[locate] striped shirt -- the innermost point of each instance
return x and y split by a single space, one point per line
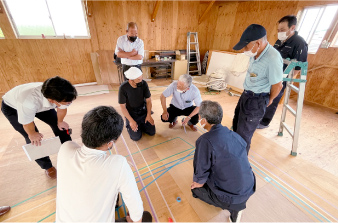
264 71
127 46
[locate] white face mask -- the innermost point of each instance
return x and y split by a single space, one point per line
282 36
62 106
202 125
180 91
249 53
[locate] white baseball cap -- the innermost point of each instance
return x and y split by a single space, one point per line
133 73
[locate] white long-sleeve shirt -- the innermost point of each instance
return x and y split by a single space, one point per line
88 182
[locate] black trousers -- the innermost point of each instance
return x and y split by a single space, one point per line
49 117
271 110
205 194
249 112
174 112
126 67
139 117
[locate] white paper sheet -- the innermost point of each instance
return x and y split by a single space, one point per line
48 147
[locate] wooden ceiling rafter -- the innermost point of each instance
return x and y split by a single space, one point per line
157 5
206 11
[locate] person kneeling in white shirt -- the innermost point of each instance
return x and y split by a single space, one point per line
89 179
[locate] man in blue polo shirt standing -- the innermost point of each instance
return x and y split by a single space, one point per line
262 84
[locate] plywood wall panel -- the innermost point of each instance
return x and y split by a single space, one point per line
225 26
322 88
207 27
10 63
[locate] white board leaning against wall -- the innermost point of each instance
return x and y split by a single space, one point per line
236 66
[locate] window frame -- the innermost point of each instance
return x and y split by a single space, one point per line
16 32
334 43
329 31
333 38
3 34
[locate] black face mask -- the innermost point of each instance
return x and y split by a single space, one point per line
132 38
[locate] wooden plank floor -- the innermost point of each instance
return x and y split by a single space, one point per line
289 188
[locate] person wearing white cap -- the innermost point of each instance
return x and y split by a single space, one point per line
135 102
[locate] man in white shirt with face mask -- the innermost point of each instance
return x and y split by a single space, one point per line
184 94
130 48
262 83
23 103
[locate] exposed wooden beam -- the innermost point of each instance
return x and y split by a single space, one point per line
5 24
323 66
1 8
157 5
206 11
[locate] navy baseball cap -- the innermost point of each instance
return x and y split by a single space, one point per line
252 33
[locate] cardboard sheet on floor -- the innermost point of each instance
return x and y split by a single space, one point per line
48 147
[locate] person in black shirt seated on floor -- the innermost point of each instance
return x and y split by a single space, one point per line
222 173
135 102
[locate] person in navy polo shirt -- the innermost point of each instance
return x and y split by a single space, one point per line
222 173
289 45
262 83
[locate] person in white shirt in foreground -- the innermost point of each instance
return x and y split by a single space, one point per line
89 178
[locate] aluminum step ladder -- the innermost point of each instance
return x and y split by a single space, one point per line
197 52
288 77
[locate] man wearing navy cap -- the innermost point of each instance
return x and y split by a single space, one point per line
262 84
